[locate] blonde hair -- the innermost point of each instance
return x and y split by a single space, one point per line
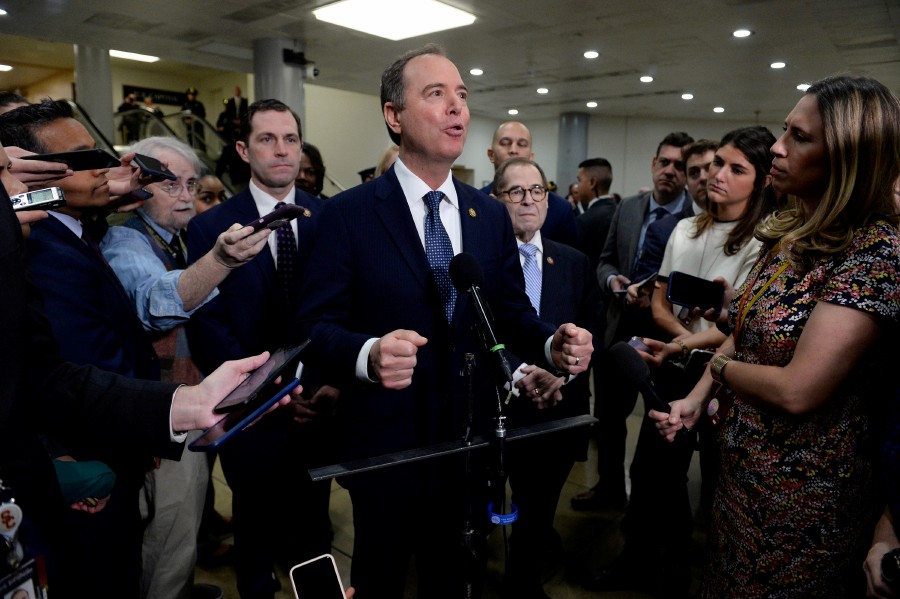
861 121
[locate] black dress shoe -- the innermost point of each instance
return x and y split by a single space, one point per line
596 499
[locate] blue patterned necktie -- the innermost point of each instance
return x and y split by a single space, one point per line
286 271
439 251
532 275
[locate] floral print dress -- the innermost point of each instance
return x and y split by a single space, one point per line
796 501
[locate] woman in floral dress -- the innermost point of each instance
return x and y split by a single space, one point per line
809 359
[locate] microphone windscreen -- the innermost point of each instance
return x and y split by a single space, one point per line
465 272
630 362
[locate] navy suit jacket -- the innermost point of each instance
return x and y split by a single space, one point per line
247 317
368 275
559 225
569 293
43 394
655 242
94 323
593 227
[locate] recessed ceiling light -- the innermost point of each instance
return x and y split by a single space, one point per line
742 33
803 87
718 110
687 96
5 67
646 79
543 90
133 56
513 111
3 12
476 72
591 105
777 65
591 54
394 19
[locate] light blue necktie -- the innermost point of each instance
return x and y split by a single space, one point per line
439 251
532 275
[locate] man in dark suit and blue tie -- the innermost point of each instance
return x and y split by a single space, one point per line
561 285
386 328
254 309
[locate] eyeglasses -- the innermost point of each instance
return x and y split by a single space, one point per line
173 188
517 194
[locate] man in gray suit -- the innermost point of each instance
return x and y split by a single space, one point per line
628 314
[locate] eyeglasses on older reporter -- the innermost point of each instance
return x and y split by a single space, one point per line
173 188
517 194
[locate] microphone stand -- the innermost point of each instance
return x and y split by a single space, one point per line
470 551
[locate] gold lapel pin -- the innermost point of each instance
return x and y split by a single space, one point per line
549 260
472 212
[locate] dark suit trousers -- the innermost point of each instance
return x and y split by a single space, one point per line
403 513
537 472
281 516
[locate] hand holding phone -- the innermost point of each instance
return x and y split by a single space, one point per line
278 217
153 167
693 292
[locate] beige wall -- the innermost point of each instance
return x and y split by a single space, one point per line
349 130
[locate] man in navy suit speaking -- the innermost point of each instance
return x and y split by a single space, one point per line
388 328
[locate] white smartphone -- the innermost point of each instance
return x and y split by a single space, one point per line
317 578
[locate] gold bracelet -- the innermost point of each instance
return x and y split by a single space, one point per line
717 368
685 352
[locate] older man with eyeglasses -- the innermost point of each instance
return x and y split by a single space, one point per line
149 255
561 285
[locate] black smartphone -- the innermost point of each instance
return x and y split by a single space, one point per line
152 166
218 434
80 160
693 292
278 217
256 386
317 578
39 199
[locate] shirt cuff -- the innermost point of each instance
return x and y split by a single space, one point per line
362 362
518 375
173 436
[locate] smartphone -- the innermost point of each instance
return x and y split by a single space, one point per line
693 292
152 166
278 217
696 364
256 385
218 434
317 578
39 199
638 343
80 160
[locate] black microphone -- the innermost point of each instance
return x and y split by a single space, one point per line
637 372
467 277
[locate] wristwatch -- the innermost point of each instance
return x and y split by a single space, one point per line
717 368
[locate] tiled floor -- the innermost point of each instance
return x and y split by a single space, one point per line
591 538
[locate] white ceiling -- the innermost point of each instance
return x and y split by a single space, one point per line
521 45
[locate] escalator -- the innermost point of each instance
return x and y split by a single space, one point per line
139 123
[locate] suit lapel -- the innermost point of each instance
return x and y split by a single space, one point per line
392 210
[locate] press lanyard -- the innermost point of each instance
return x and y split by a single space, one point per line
747 302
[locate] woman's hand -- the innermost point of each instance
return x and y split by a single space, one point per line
685 413
659 352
